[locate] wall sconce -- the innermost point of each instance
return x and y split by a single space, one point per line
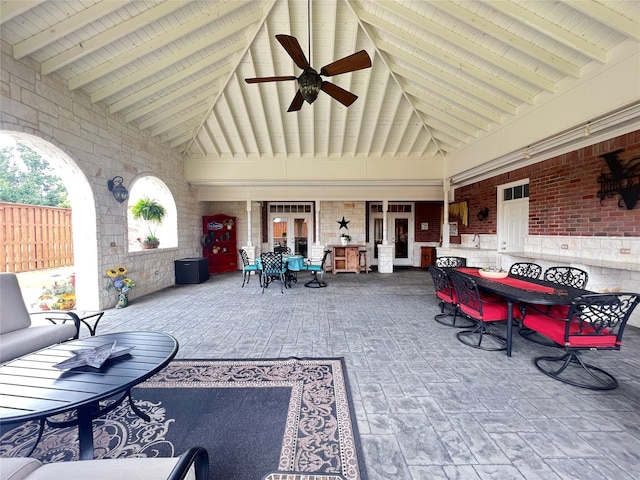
119 191
526 154
586 132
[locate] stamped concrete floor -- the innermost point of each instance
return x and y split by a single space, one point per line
428 407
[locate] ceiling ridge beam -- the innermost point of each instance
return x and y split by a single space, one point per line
108 36
177 120
152 45
178 56
451 95
448 78
461 113
446 118
265 14
508 38
175 109
359 13
166 82
55 32
471 47
470 69
555 32
608 17
14 8
165 99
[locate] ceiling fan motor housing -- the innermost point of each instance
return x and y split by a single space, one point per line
310 83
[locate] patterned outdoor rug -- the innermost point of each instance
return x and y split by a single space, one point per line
255 417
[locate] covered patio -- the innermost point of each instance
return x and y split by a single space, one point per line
427 405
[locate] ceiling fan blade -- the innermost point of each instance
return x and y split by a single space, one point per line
356 61
297 102
294 50
269 79
340 94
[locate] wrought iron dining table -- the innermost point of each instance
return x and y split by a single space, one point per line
32 388
524 291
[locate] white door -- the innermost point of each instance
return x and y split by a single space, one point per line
291 231
513 222
399 234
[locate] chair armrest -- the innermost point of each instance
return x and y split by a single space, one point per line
196 456
72 316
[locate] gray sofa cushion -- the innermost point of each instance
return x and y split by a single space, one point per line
18 468
112 469
27 340
13 312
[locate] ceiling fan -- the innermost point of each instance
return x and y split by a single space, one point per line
310 81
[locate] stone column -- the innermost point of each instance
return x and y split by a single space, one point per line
249 248
445 226
385 251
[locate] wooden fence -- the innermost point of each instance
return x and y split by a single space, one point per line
34 237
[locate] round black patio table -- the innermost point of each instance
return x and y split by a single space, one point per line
31 388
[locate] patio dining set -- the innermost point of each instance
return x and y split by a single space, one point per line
551 308
283 266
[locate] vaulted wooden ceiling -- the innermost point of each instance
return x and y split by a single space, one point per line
444 73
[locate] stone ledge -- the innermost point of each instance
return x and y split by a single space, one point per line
594 262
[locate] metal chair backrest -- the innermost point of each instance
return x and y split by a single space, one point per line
245 257
282 249
271 263
525 269
467 294
598 320
451 262
441 283
567 276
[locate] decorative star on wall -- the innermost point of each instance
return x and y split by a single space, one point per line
343 223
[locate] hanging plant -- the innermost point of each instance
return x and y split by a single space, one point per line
151 212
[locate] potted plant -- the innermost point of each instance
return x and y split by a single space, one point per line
151 212
345 238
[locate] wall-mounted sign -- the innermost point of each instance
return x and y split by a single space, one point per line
453 229
424 225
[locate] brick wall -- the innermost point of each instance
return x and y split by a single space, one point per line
562 194
428 212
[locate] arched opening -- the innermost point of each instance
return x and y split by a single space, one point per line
83 215
167 232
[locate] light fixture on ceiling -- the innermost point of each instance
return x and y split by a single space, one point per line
119 191
526 153
310 83
586 132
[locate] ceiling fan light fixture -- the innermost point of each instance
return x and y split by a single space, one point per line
309 82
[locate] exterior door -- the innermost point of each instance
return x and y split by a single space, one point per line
399 234
291 231
513 224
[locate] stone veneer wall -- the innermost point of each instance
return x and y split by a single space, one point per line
98 146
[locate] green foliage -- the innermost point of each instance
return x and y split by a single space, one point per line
29 181
150 211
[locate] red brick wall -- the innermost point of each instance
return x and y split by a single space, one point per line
428 212
562 194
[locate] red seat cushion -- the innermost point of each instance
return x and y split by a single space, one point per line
491 311
554 329
442 295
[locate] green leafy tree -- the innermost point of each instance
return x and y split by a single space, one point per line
30 181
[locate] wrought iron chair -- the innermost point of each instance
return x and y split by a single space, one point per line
282 249
272 269
316 282
248 267
485 310
525 269
451 262
594 322
567 276
449 313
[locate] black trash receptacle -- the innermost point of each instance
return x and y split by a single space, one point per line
191 270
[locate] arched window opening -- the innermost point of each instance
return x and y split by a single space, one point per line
167 232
